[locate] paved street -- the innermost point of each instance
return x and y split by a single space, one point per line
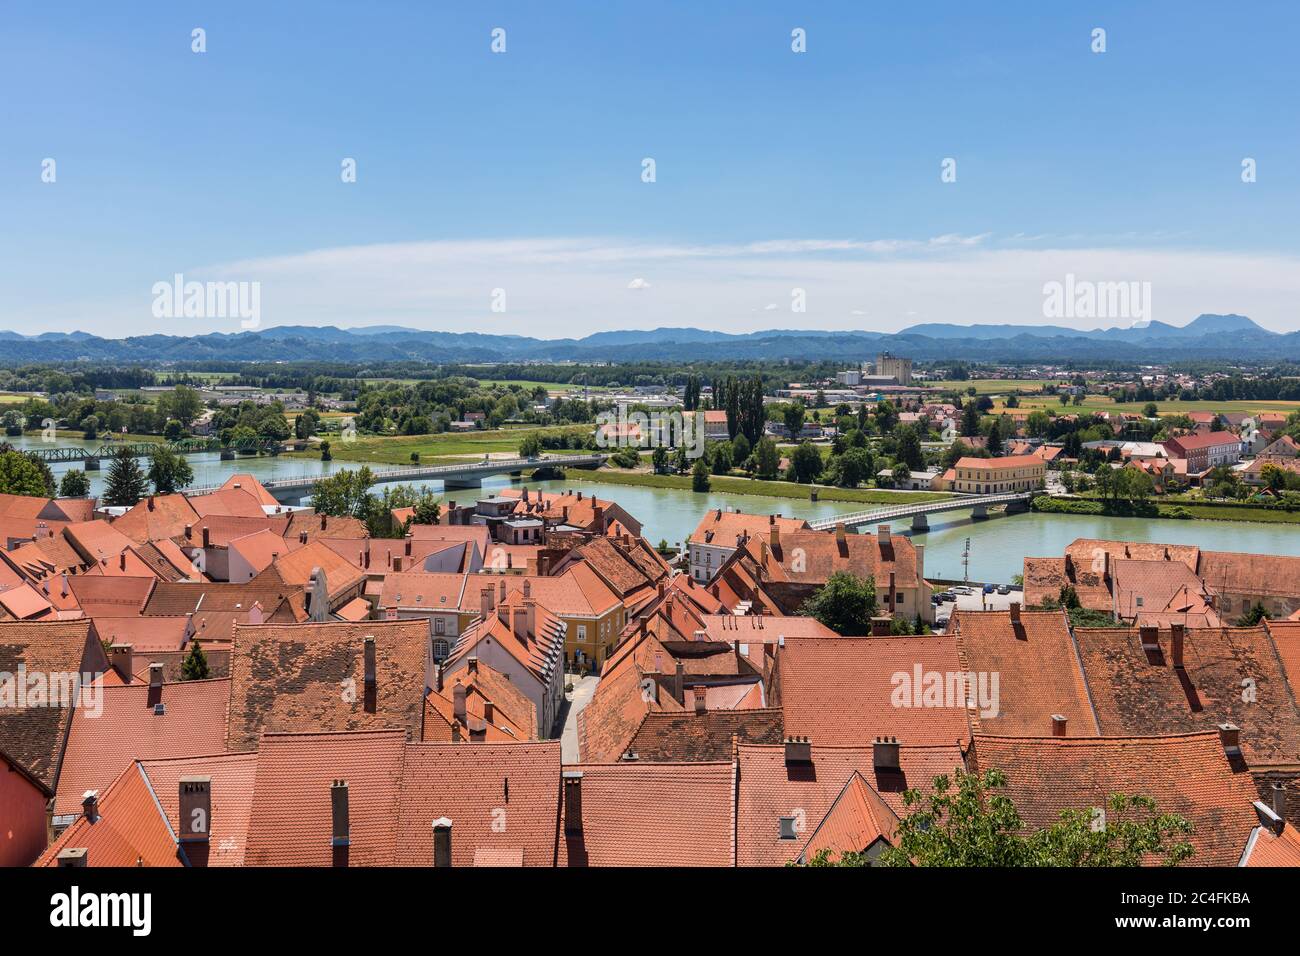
583 688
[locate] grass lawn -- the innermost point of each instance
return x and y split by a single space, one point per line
432 449
754 486
989 386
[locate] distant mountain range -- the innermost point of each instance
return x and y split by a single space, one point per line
1207 337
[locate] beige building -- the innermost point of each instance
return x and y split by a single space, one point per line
991 476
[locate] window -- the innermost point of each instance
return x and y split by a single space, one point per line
440 650
582 633
439 625
787 830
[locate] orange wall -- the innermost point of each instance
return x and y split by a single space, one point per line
22 818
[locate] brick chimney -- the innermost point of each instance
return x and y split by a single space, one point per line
206 537
1149 636
572 801
884 754
1230 737
1014 608
195 809
441 842
371 687
1176 636
519 624
489 712
458 702
121 656
841 538
679 693
407 545
774 536
1279 800
798 750
340 834
1058 725
487 601
884 536
701 701
73 856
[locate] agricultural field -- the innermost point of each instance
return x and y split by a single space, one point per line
1101 403
993 386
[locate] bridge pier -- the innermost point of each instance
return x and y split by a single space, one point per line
451 484
227 454
979 511
92 464
920 523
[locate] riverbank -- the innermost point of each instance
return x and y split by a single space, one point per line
446 448
1175 510
755 486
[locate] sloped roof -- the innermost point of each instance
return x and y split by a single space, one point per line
126 727
651 814
1186 774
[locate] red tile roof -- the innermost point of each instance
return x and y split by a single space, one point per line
311 677
651 814
847 691
1186 774
130 829
126 728
1039 674
858 820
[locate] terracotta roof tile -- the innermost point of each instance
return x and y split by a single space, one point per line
1185 774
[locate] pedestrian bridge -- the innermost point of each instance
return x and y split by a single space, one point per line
978 505
469 475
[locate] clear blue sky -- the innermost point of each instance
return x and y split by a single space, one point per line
170 161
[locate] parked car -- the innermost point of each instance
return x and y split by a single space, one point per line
989 588
1004 589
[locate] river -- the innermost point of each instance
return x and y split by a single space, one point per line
998 545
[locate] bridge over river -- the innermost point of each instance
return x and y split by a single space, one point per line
978 505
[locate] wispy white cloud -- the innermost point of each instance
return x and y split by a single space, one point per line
557 287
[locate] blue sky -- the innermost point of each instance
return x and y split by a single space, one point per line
521 171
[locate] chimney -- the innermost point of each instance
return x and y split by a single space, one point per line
471 664
841 537
1230 737
195 809
366 557
206 537
302 537
151 502
572 801
884 754
90 805
397 564
701 703
121 560
323 520
1058 725
489 712
156 675
679 694
437 678
371 686
487 601
893 594
64 577
881 625
1014 607
530 618
441 842
884 535
528 589
501 591
1279 801
120 656
798 750
339 814
409 538
319 599
73 856
1149 636
458 702
774 536
1176 635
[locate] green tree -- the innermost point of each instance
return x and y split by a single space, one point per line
767 459
195 665
855 467
182 403
169 471
74 484
126 482
19 475
794 418
1253 616
659 458
968 822
845 603
700 476
806 463
344 494
530 446
909 448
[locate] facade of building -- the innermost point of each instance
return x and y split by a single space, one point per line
990 476
899 369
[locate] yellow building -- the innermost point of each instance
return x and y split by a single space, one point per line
991 476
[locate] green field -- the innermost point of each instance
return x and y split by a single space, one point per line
754 486
993 386
434 449
1101 403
